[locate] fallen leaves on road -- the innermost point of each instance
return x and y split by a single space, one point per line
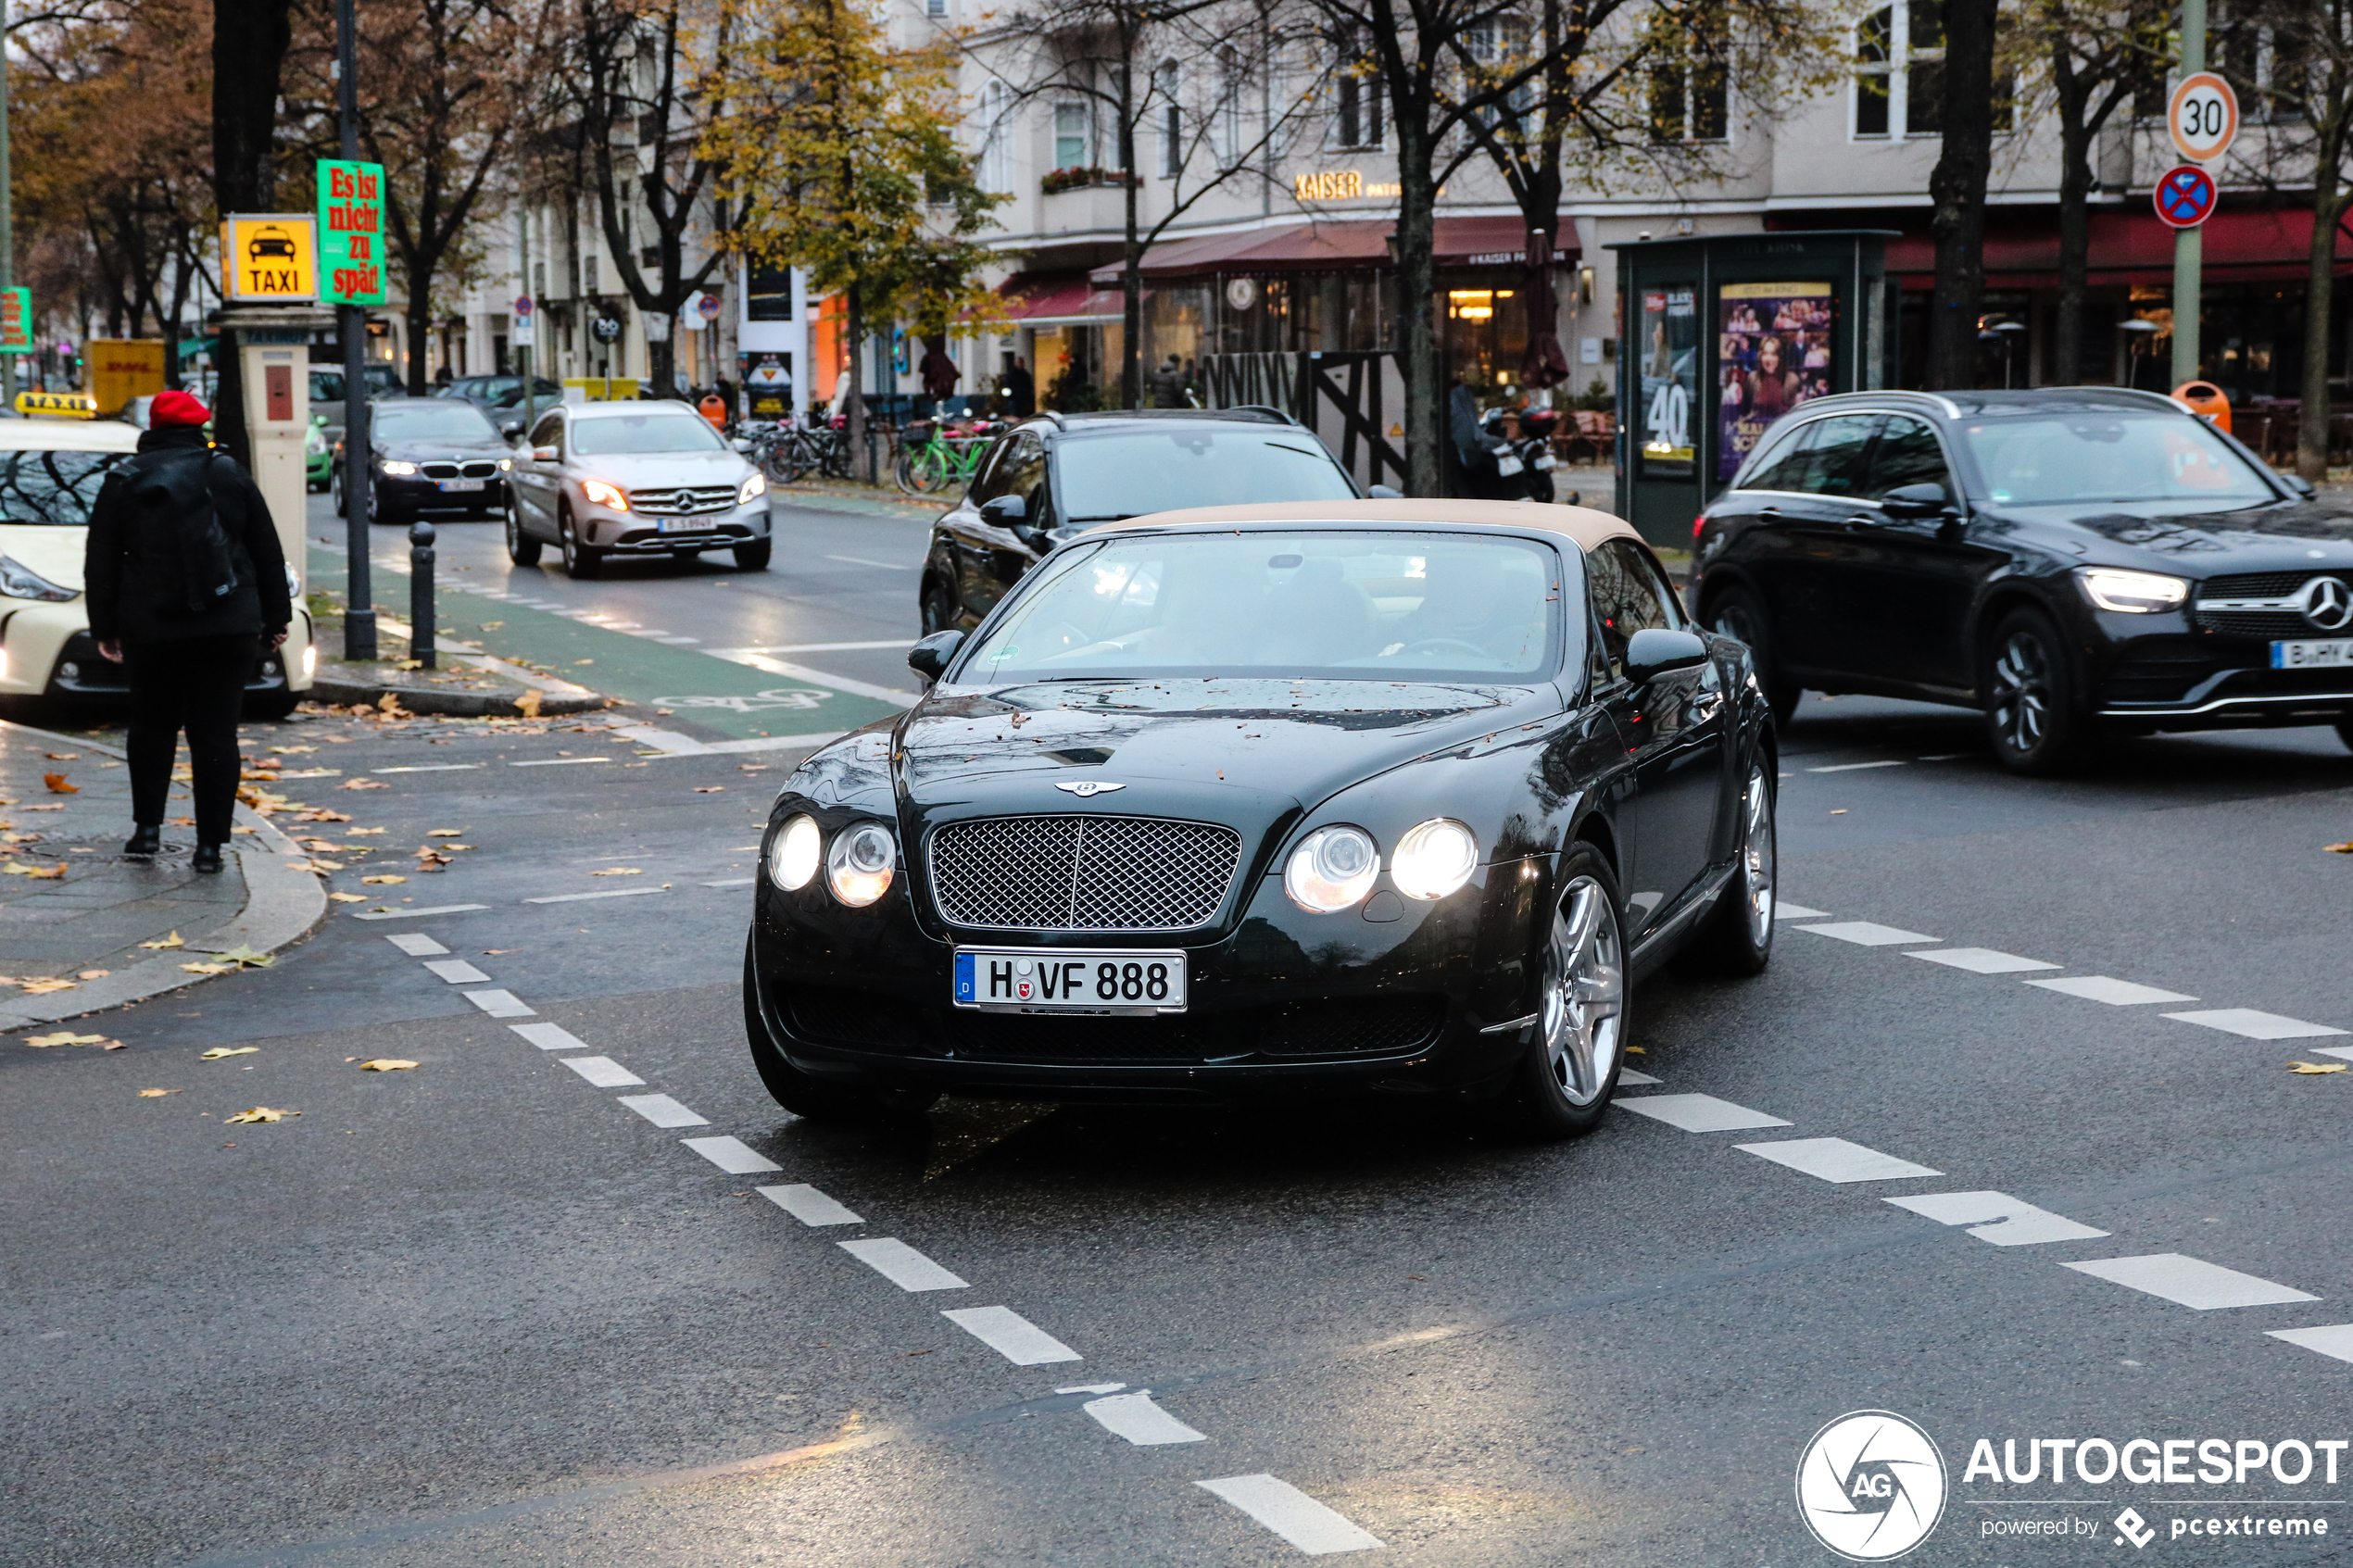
219 1052
346 897
174 940
93 974
317 865
58 786
251 958
46 874
528 704
711 789
620 870
64 755
2316 1067
389 705
444 832
751 767
46 986
361 784
2345 848
360 832
158 1093
408 664
316 845
321 814
381 881
59 807
385 1064
492 625
259 1113
428 859
584 661
64 1037
292 751
208 968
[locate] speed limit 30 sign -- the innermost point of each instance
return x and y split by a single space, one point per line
2203 116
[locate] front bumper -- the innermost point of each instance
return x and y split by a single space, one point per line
652 534
49 652
416 493
2178 676
1282 1005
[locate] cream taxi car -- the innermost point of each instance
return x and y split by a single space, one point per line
50 470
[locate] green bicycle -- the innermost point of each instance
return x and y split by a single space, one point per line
932 461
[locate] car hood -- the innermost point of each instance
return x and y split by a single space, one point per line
455 446
639 469
2285 536
50 550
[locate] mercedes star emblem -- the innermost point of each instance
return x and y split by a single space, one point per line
2327 603
1089 787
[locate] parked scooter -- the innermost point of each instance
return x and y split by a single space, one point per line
1522 447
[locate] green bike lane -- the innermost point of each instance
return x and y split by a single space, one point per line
734 694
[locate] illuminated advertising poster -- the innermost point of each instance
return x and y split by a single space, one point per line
1774 354
1670 379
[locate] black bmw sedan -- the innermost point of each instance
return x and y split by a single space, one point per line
431 455
2071 560
1396 796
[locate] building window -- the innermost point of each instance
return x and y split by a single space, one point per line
1689 84
1899 71
1072 136
1226 123
935 7
1170 113
997 137
1357 101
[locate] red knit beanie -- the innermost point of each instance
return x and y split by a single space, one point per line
176 408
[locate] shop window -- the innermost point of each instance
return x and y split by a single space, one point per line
1074 136
1689 96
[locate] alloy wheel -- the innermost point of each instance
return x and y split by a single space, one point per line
1584 993
1757 855
2022 693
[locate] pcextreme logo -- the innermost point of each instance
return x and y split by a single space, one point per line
1871 1486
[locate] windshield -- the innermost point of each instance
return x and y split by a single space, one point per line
643 433
1162 468
53 487
1374 605
432 420
326 386
2150 461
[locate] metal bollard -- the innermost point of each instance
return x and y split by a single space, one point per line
421 594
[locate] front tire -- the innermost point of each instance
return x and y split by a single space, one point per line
755 556
581 561
1565 1082
1738 615
1738 936
938 608
521 548
2032 689
806 1096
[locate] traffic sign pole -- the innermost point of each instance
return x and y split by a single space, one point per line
360 596
2189 245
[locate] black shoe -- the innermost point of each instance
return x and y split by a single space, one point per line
206 859
144 841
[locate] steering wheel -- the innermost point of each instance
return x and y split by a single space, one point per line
1443 645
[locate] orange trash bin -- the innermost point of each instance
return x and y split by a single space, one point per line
2205 400
715 410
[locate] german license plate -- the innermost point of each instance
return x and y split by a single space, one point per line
686 525
2328 653
459 486
1070 979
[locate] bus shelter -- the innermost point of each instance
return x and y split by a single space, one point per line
1723 334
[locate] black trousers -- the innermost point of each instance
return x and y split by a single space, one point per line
198 685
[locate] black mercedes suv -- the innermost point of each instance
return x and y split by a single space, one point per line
2070 560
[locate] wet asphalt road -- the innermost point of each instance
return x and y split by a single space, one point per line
481 1312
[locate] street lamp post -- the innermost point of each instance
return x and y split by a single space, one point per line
360 610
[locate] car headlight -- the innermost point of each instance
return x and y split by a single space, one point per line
19 581
393 465
754 488
1434 858
2134 593
859 868
1332 869
505 463
604 495
793 853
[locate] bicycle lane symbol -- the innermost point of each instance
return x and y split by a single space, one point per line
779 697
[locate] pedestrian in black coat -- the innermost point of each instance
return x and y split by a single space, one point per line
185 584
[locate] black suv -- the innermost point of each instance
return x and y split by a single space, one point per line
2071 560
1050 476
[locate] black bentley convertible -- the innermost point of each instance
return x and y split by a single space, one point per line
1396 796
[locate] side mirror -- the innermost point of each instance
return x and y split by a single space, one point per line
544 454
930 657
741 444
2298 484
1384 493
1005 510
1907 502
510 428
1654 650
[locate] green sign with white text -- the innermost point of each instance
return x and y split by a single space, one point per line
351 220
16 321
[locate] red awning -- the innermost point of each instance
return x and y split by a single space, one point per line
2129 246
1047 300
1341 245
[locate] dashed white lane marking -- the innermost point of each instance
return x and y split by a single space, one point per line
578 897
411 914
431 768
1867 934
808 1205
663 1111
827 648
1293 1515
733 882
457 972
2254 1025
733 1156
1627 1075
1855 767
550 1036
861 561
1136 1418
1010 1335
1997 1217
902 1264
1835 1159
556 762
1784 909
501 1003
2329 1339
2115 993
416 943
1981 961
2190 1281
1698 1113
2333 1050
603 1072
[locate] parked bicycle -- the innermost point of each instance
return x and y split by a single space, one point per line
936 457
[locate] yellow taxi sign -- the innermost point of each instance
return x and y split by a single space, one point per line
58 405
269 258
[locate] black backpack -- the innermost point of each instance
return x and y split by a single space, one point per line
186 557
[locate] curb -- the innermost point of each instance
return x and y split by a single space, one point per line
557 698
285 903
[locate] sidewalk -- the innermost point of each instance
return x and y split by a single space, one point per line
75 913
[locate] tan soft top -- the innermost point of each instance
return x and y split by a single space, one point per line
1583 524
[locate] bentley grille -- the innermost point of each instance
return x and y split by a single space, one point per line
1082 873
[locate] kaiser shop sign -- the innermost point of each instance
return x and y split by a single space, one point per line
351 216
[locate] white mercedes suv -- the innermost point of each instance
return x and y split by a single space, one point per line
599 479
